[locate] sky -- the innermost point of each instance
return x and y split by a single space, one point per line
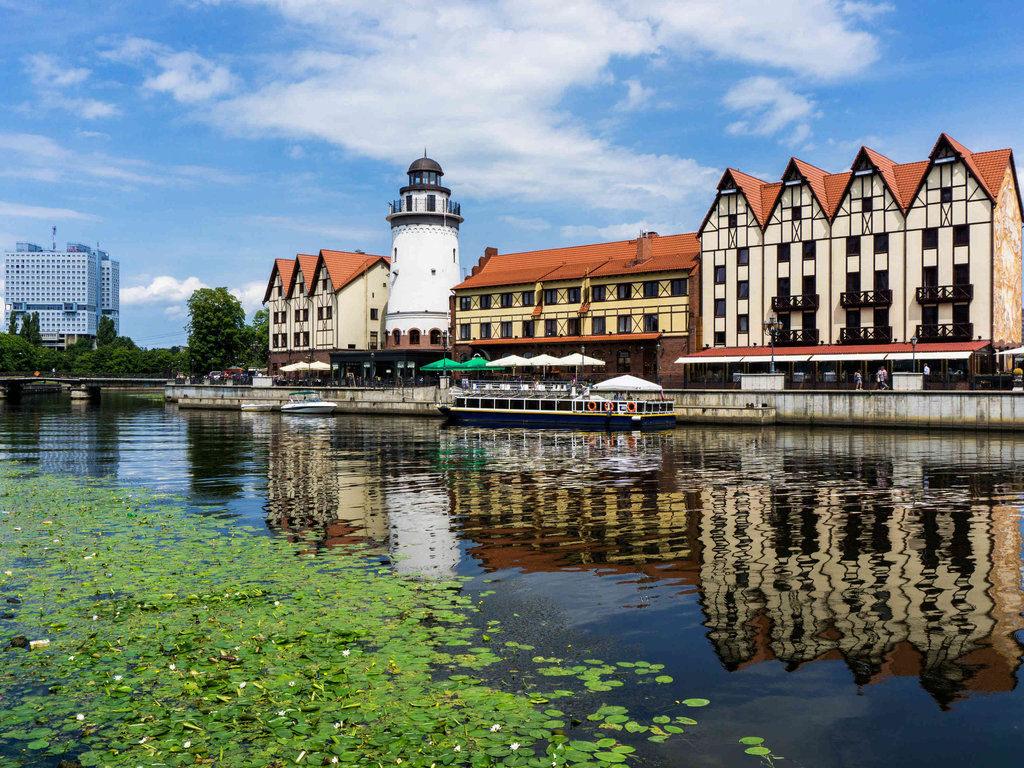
198 140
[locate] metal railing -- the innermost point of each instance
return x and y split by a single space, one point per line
945 332
802 336
422 205
801 302
935 294
868 334
878 297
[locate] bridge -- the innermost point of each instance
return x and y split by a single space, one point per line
13 385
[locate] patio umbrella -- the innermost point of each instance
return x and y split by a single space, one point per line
544 360
514 361
444 364
319 366
578 359
477 364
293 367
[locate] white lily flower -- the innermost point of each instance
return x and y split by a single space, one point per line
346 652
458 747
187 744
171 667
514 746
495 728
118 678
79 717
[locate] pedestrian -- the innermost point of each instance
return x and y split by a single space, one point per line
858 380
880 378
927 372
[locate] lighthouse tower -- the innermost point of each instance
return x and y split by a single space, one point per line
424 260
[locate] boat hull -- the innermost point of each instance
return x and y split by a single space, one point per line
308 409
257 407
595 421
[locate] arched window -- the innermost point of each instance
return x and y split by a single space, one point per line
414 336
435 337
397 336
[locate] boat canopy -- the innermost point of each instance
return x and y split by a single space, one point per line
626 383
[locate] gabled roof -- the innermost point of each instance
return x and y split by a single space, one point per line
652 253
284 268
345 266
307 264
908 179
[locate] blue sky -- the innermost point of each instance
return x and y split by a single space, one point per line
197 140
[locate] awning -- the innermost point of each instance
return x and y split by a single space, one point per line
957 355
778 359
1014 351
848 357
709 360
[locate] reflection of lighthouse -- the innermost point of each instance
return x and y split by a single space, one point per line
424 259
422 542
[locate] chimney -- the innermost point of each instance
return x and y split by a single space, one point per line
488 252
643 248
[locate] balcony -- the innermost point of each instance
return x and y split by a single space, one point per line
440 205
802 336
868 334
945 332
875 298
803 302
937 294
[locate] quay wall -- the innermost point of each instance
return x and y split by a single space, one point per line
969 410
413 401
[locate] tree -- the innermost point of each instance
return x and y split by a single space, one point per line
12 324
256 341
105 331
215 329
29 330
16 354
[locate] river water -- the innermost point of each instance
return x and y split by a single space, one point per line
853 597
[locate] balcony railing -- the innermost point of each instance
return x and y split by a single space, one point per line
868 334
422 205
936 294
801 302
802 336
881 297
946 332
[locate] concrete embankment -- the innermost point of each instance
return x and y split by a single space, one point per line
918 410
413 401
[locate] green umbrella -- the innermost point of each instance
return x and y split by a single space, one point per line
444 364
477 364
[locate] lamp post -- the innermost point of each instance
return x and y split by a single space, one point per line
657 362
770 326
913 353
583 354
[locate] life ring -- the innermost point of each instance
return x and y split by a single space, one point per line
591 405
631 406
609 405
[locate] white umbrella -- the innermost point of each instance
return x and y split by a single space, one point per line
514 361
319 366
579 359
292 368
544 360
626 383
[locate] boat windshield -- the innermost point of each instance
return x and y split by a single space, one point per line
300 397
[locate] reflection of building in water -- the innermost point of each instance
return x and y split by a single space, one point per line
855 561
314 492
82 444
544 501
422 540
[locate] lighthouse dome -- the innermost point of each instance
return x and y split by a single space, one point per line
426 164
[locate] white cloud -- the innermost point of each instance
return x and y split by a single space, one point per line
637 96
770 108
185 75
867 11
529 224
163 289
251 295
624 231
39 212
51 76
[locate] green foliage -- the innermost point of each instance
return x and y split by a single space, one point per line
105 332
172 641
16 354
12 324
29 329
255 351
215 329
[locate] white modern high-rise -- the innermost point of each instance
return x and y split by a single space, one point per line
70 289
424 259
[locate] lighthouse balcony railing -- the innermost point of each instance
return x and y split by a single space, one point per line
426 205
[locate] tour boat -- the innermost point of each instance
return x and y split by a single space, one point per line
307 402
625 402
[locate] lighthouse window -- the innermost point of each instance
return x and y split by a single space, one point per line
408 203
431 202
414 336
397 336
394 259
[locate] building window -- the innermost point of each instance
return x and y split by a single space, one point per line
506 299
414 337
782 286
650 323
485 301
732 220
431 202
719 275
743 257
809 249
797 212
930 238
743 289
465 302
930 315
946 195
719 338
742 323
961 313
373 339
866 204
623 362
597 325
651 289
808 321
465 331
961 235
550 296
853 318
882 243
783 252
396 337
624 291
597 293
677 287
930 276
572 295
961 274
881 279
550 327
373 313
506 329
852 282
624 324
527 329
527 298
435 337
719 307
572 326
298 315
485 331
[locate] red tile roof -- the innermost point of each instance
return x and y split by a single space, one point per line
908 180
835 349
653 254
342 266
541 340
345 266
283 267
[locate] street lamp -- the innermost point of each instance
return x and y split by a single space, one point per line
913 353
770 326
657 362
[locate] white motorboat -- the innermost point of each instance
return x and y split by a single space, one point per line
307 403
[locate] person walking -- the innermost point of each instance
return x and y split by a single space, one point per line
880 378
858 380
926 371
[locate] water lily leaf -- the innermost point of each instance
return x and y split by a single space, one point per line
758 751
696 702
